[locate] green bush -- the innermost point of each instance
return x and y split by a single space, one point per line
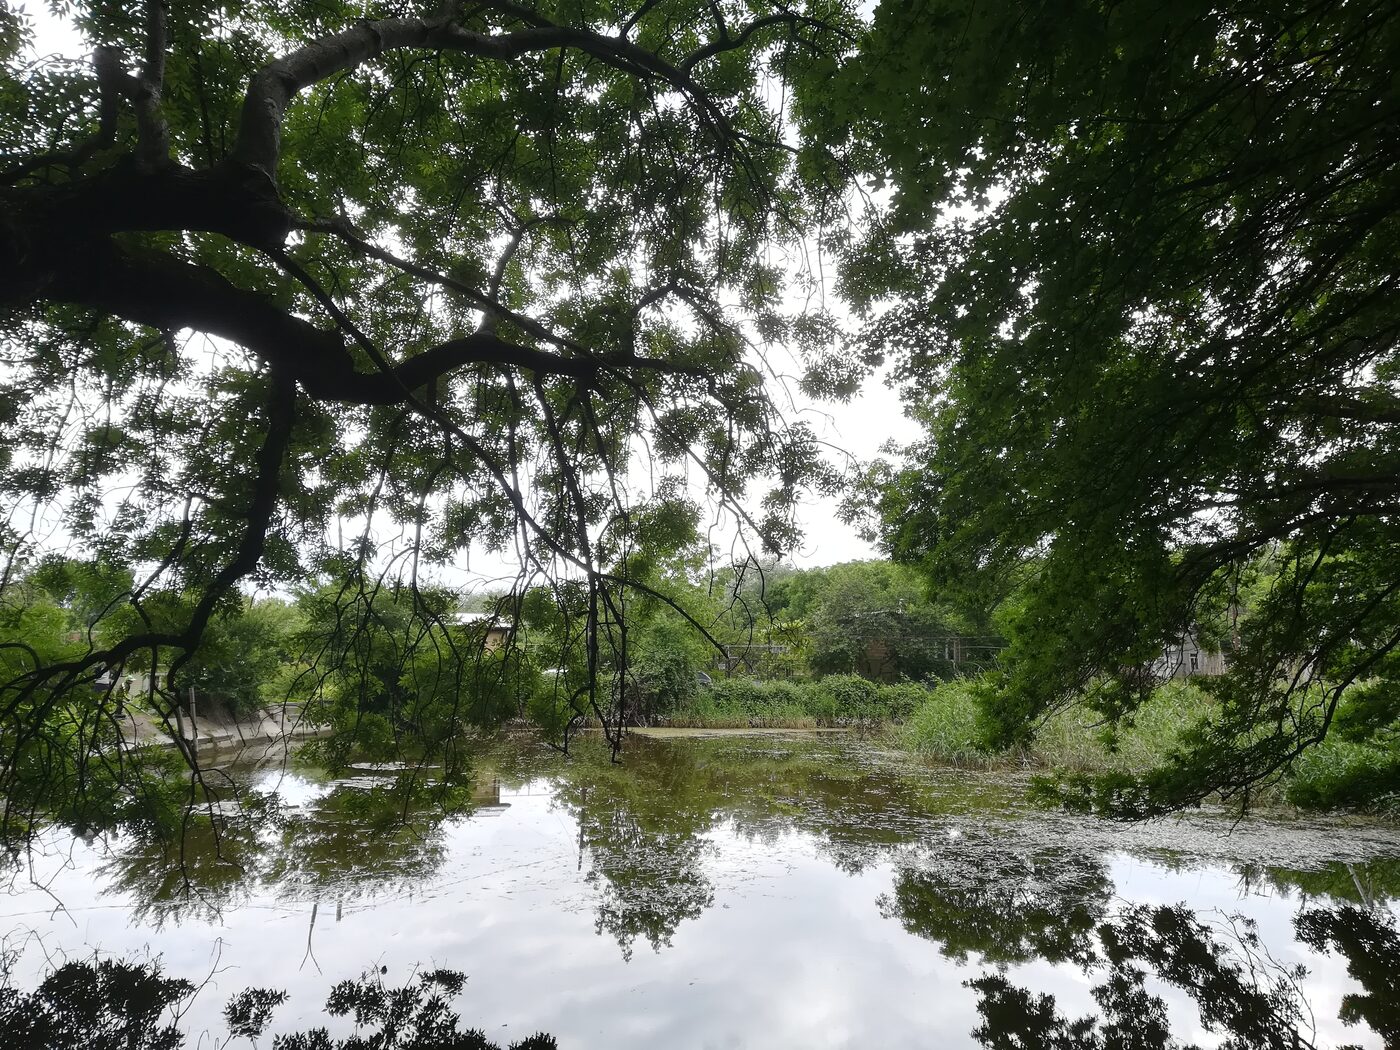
661 682
549 708
736 694
742 702
844 696
783 696
899 702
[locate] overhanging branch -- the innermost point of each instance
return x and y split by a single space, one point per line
272 89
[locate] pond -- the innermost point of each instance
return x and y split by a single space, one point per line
749 891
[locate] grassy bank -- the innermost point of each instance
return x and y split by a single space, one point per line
945 728
1338 774
835 701
938 723
941 724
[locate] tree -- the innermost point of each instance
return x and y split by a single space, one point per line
876 618
325 291
1148 316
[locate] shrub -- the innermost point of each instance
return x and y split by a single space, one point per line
737 694
784 696
662 681
844 696
899 702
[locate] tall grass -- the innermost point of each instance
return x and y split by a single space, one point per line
946 728
1341 774
945 725
1075 739
833 701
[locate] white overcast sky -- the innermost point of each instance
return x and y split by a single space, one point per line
859 427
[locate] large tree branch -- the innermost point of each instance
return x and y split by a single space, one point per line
1370 407
272 89
152 134
739 39
166 294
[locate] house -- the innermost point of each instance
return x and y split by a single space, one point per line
1188 658
493 630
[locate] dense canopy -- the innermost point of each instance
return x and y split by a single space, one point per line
1144 261
324 299
324 292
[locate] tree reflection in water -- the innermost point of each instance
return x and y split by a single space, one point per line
361 835
1004 906
1372 951
640 836
114 1004
994 895
1058 908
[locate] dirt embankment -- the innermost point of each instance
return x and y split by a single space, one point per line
215 725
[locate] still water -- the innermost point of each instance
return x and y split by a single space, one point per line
754 891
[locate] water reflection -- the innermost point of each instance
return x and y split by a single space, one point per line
1242 995
730 878
338 839
1252 1004
1371 947
1003 907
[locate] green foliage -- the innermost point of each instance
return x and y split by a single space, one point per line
661 680
1337 774
51 733
392 673
946 725
297 293
1133 276
1078 739
845 693
900 700
1358 766
876 619
243 654
743 701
